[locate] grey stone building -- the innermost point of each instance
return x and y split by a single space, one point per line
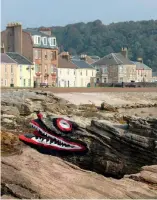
115 68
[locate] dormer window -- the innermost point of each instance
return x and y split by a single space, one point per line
37 39
52 41
45 40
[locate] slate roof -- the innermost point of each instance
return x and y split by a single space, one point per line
37 32
19 59
82 64
113 59
140 65
64 63
95 58
6 59
88 60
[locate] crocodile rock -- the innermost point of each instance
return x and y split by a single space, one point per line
103 147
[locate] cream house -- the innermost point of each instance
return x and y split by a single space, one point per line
16 71
143 72
73 72
84 73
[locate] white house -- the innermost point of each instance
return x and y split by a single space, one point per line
73 72
84 72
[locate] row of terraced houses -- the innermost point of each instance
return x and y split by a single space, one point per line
31 56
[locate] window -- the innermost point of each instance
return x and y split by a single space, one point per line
36 54
120 69
81 73
45 41
37 68
104 70
97 69
1 81
39 54
24 82
105 80
121 79
45 68
12 81
5 82
74 71
86 72
53 55
37 39
68 71
45 54
97 80
92 72
29 82
53 69
11 69
52 41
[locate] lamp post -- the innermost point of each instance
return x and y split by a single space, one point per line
38 75
30 68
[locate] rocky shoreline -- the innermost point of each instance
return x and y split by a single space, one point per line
118 144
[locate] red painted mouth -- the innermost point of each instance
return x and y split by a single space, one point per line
44 138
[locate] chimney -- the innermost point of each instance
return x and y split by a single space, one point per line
83 57
46 31
124 52
15 37
2 48
65 55
140 60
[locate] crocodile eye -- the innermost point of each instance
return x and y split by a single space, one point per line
64 125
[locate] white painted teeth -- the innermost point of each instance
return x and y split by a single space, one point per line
53 143
33 138
44 141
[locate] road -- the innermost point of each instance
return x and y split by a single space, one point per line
89 90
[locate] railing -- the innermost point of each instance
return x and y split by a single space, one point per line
129 84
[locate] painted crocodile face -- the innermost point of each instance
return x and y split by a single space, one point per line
54 134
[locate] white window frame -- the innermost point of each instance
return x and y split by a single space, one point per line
44 39
52 41
121 68
36 37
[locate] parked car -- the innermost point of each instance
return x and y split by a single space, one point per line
44 85
131 84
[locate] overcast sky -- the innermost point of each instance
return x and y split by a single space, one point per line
35 13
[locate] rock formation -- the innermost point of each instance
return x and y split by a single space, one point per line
114 149
23 174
